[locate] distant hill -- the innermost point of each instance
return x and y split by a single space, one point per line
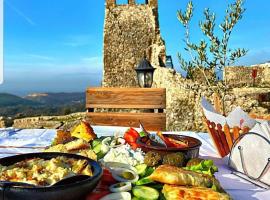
57 98
41 104
13 100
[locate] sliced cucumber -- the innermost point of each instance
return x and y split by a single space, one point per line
141 169
97 148
144 192
157 186
96 142
144 181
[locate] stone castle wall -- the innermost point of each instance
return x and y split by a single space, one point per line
184 110
130 30
241 76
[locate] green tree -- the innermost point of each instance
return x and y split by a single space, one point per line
211 54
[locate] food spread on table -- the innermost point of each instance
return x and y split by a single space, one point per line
130 170
43 172
133 173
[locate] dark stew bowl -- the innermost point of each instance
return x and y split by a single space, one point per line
192 151
71 191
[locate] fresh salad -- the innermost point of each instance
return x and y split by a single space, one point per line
131 174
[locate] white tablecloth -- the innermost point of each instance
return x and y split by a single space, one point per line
238 188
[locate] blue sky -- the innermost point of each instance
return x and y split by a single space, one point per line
56 45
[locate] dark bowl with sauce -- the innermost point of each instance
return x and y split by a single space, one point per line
192 151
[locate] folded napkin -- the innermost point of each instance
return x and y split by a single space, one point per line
250 158
237 117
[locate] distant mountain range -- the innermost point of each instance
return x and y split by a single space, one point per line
41 104
57 98
13 100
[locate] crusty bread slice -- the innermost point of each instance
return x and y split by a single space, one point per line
84 131
77 144
57 148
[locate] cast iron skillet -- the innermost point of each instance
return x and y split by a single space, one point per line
72 191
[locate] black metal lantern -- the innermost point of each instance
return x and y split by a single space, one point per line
145 72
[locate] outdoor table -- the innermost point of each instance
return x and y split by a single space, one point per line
238 188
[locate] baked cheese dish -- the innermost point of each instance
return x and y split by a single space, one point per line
43 172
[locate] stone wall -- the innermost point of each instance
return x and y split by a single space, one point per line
241 76
130 30
184 96
49 122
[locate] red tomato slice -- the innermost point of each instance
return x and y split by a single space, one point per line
97 195
131 135
134 145
107 178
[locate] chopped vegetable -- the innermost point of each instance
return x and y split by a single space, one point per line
128 175
142 134
125 175
134 145
97 147
97 195
118 196
131 135
157 186
144 181
205 167
144 192
120 187
107 177
194 161
141 169
149 171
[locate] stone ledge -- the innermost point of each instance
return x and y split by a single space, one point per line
49 122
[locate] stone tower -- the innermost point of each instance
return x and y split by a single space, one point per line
130 30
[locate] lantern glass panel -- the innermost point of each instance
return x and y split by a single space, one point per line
148 79
140 76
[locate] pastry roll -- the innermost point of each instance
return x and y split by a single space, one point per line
172 192
177 176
